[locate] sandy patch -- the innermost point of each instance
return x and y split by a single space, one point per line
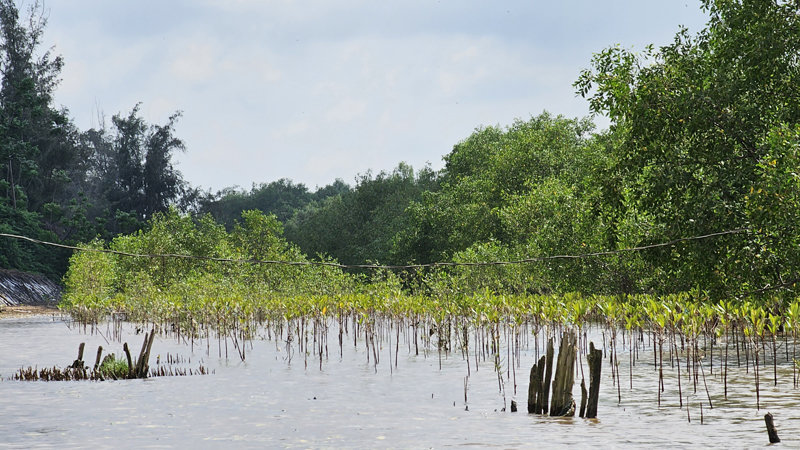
27 311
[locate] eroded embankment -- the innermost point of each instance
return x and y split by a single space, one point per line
21 288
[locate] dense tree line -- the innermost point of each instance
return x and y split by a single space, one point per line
281 198
704 138
361 225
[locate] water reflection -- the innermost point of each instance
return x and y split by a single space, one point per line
267 401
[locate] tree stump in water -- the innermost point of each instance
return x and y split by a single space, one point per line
583 399
128 357
535 386
543 401
562 403
97 359
595 360
143 362
771 431
78 363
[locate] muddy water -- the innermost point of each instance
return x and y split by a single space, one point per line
269 401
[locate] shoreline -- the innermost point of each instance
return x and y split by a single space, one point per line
21 311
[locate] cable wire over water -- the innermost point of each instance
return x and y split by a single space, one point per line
381 266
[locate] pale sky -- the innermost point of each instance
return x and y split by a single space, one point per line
318 90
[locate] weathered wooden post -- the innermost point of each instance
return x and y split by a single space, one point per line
78 363
562 403
771 431
583 398
140 360
595 360
143 363
543 401
97 359
535 385
128 356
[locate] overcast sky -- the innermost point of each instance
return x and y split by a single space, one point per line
319 90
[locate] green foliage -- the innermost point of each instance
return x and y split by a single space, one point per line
26 256
468 280
281 198
553 219
482 174
539 188
359 226
695 118
113 368
772 212
90 283
177 271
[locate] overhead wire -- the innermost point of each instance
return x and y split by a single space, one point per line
380 266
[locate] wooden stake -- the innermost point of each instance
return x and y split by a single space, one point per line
534 386
771 431
583 398
595 360
97 359
128 356
562 403
78 363
544 400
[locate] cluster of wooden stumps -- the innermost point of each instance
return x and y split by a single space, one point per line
561 403
78 370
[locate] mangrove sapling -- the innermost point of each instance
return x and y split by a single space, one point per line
616 366
678 364
376 358
630 323
465 347
720 331
689 369
391 370
341 335
397 343
702 371
774 327
755 371
688 414
792 323
786 341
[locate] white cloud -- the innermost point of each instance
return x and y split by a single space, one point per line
317 91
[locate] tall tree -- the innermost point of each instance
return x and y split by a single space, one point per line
695 118
129 151
36 145
36 141
162 182
481 174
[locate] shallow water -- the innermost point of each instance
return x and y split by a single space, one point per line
267 401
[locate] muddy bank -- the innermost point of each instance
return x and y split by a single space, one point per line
15 312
